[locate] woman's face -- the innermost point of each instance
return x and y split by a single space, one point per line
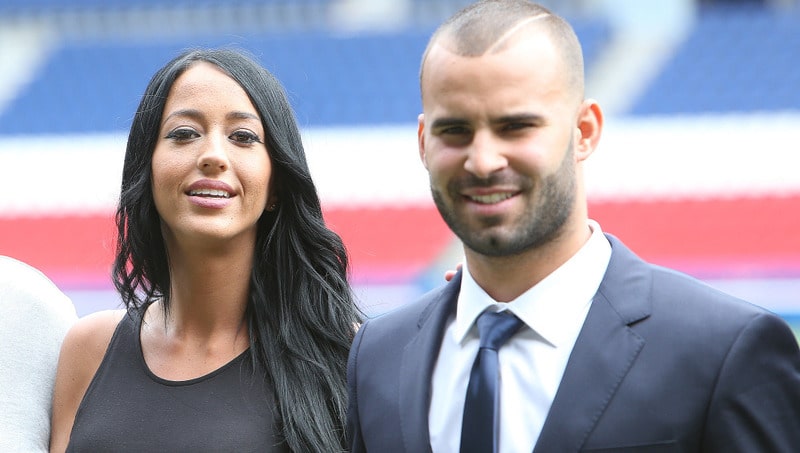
211 168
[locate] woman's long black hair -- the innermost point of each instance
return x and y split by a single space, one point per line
301 312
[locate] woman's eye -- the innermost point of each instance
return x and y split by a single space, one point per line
183 133
244 136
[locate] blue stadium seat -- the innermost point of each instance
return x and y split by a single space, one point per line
49 7
331 79
735 60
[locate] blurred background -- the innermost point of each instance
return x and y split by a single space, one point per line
697 168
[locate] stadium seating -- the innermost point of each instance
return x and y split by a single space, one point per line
331 79
734 60
50 7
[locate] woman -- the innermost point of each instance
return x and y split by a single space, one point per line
239 314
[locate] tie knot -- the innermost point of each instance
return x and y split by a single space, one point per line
495 328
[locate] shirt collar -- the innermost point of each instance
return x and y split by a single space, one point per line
552 305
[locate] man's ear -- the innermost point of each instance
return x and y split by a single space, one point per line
589 128
421 138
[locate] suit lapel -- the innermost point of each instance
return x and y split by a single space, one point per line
605 350
418 361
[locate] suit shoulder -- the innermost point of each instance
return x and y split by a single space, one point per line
678 287
406 319
667 300
410 312
696 310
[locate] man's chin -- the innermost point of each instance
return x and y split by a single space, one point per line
494 245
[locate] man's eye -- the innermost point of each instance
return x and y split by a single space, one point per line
183 133
244 137
516 126
454 130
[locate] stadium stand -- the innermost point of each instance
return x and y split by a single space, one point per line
51 7
332 80
736 59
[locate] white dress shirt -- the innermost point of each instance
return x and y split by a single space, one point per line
532 362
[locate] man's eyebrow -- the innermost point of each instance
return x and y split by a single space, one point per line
518 118
440 123
448 122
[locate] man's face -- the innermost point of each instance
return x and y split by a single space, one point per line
497 137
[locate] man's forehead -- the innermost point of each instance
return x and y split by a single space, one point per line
482 39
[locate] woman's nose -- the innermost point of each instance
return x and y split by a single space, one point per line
214 156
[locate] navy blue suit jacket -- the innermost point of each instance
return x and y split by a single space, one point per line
663 363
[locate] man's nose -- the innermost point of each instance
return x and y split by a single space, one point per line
485 155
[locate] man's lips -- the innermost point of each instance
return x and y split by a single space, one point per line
492 198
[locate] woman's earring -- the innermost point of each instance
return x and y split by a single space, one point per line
272 207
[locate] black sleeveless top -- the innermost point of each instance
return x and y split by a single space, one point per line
129 409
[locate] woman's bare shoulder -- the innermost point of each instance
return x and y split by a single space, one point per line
88 338
103 320
82 352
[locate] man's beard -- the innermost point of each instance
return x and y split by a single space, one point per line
537 226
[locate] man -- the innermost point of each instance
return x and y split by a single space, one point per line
613 354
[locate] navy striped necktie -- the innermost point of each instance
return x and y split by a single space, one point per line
479 427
